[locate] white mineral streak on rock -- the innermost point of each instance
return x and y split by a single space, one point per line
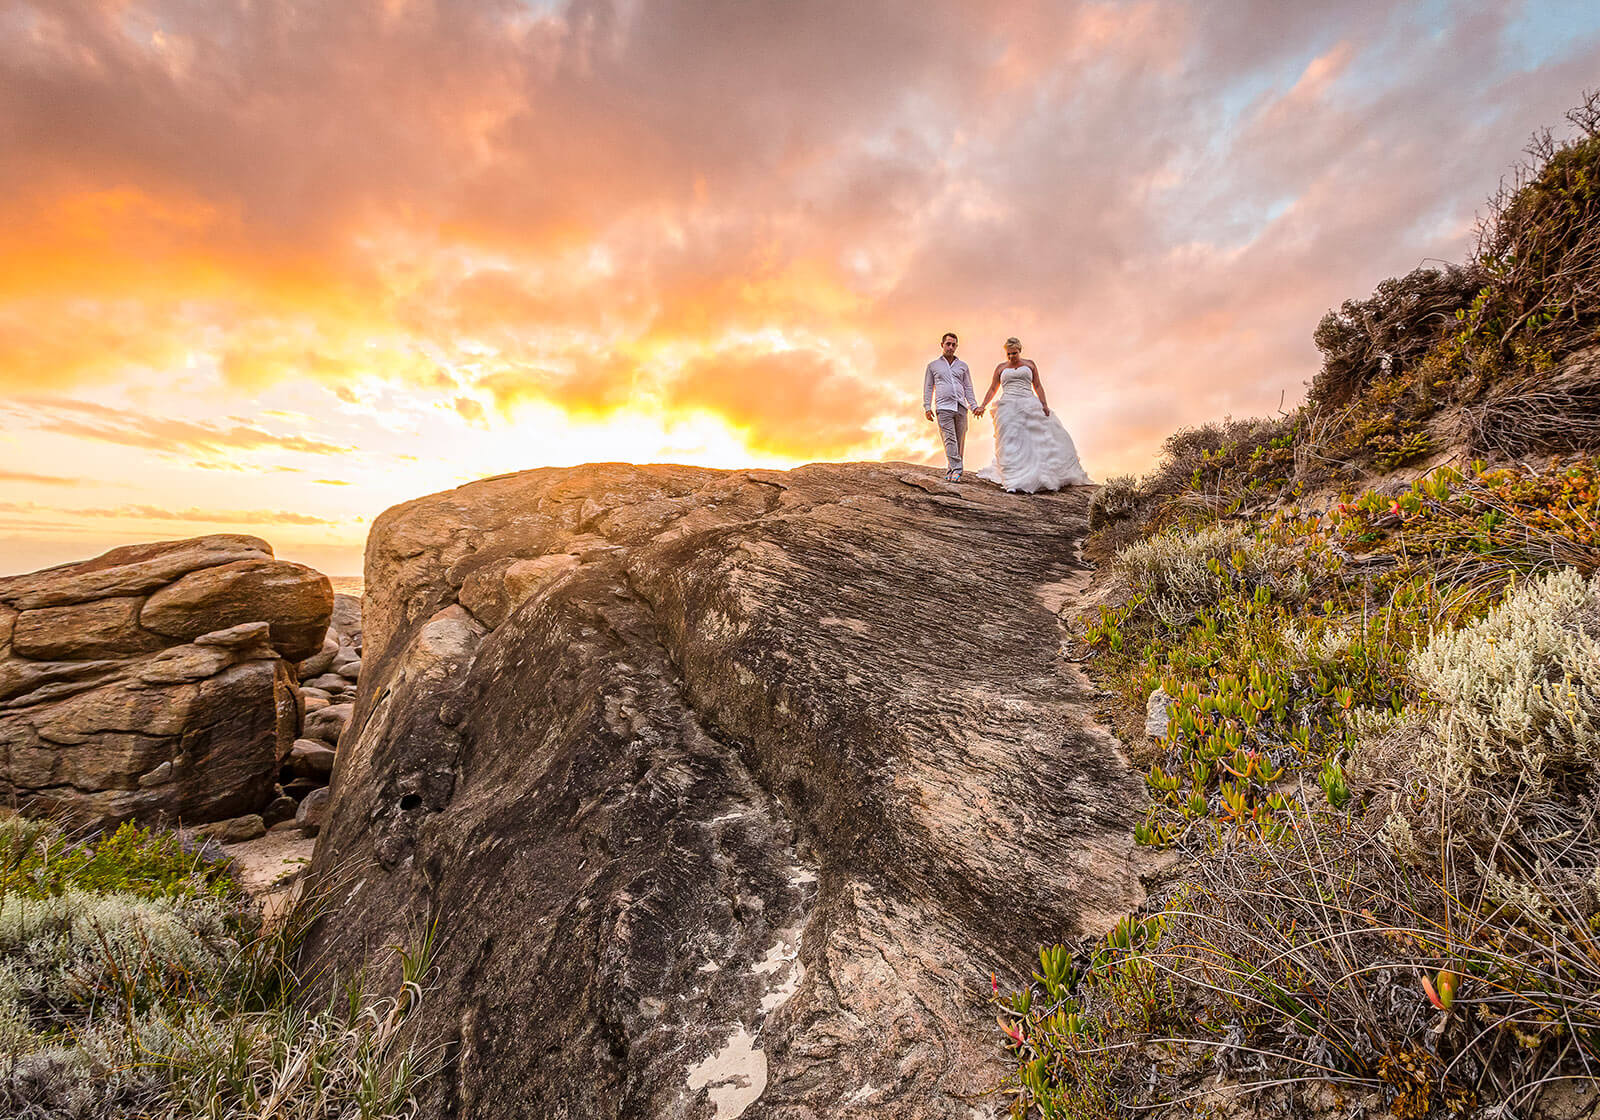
784 958
734 1077
861 1094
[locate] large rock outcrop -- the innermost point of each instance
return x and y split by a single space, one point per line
150 683
728 791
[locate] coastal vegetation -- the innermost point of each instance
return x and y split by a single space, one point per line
1371 628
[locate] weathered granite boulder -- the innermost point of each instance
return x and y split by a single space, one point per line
235 830
328 724
310 758
296 600
130 691
320 662
729 790
132 570
346 622
313 811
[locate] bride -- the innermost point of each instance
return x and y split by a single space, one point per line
1032 451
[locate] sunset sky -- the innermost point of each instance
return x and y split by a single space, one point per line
273 266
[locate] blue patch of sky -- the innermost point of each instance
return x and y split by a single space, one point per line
1205 202
1390 57
1234 217
1546 30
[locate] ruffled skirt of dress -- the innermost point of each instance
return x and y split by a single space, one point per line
1032 451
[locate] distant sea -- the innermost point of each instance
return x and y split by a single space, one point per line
348 585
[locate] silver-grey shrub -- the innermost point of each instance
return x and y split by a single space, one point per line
1179 573
1517 693
71 951
115 1005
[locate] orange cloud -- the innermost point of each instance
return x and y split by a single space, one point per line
795 403
167 435
158 513
39 479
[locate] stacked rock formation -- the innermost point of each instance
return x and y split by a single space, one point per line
155 682
328 682
726 790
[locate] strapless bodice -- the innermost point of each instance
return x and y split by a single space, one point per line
1012 380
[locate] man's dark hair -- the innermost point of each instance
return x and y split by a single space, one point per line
947 334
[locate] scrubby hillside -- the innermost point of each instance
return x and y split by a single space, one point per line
1365 637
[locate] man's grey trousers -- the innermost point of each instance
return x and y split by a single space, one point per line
953 426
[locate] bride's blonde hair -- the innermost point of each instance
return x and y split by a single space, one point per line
1014 341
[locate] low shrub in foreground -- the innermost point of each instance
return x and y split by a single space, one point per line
1431 945
136 980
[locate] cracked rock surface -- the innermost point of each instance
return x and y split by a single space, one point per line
728 789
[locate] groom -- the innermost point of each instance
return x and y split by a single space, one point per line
947 386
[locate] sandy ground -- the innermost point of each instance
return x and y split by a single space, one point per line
271 868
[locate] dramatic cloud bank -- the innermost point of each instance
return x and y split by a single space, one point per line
332 255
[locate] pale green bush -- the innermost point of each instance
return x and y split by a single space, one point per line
135 982
71 950
1115 501
1178 573
1518 691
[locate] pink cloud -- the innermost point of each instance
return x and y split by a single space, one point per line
764 211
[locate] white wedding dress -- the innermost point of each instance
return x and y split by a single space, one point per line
1032 451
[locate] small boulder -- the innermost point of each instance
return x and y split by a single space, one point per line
310 758
351 670
1155 714
328 723
281 810
328 682
313 812
320 662
302 788
160 776
346 621
234 830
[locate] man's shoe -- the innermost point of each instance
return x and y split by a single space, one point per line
955 476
